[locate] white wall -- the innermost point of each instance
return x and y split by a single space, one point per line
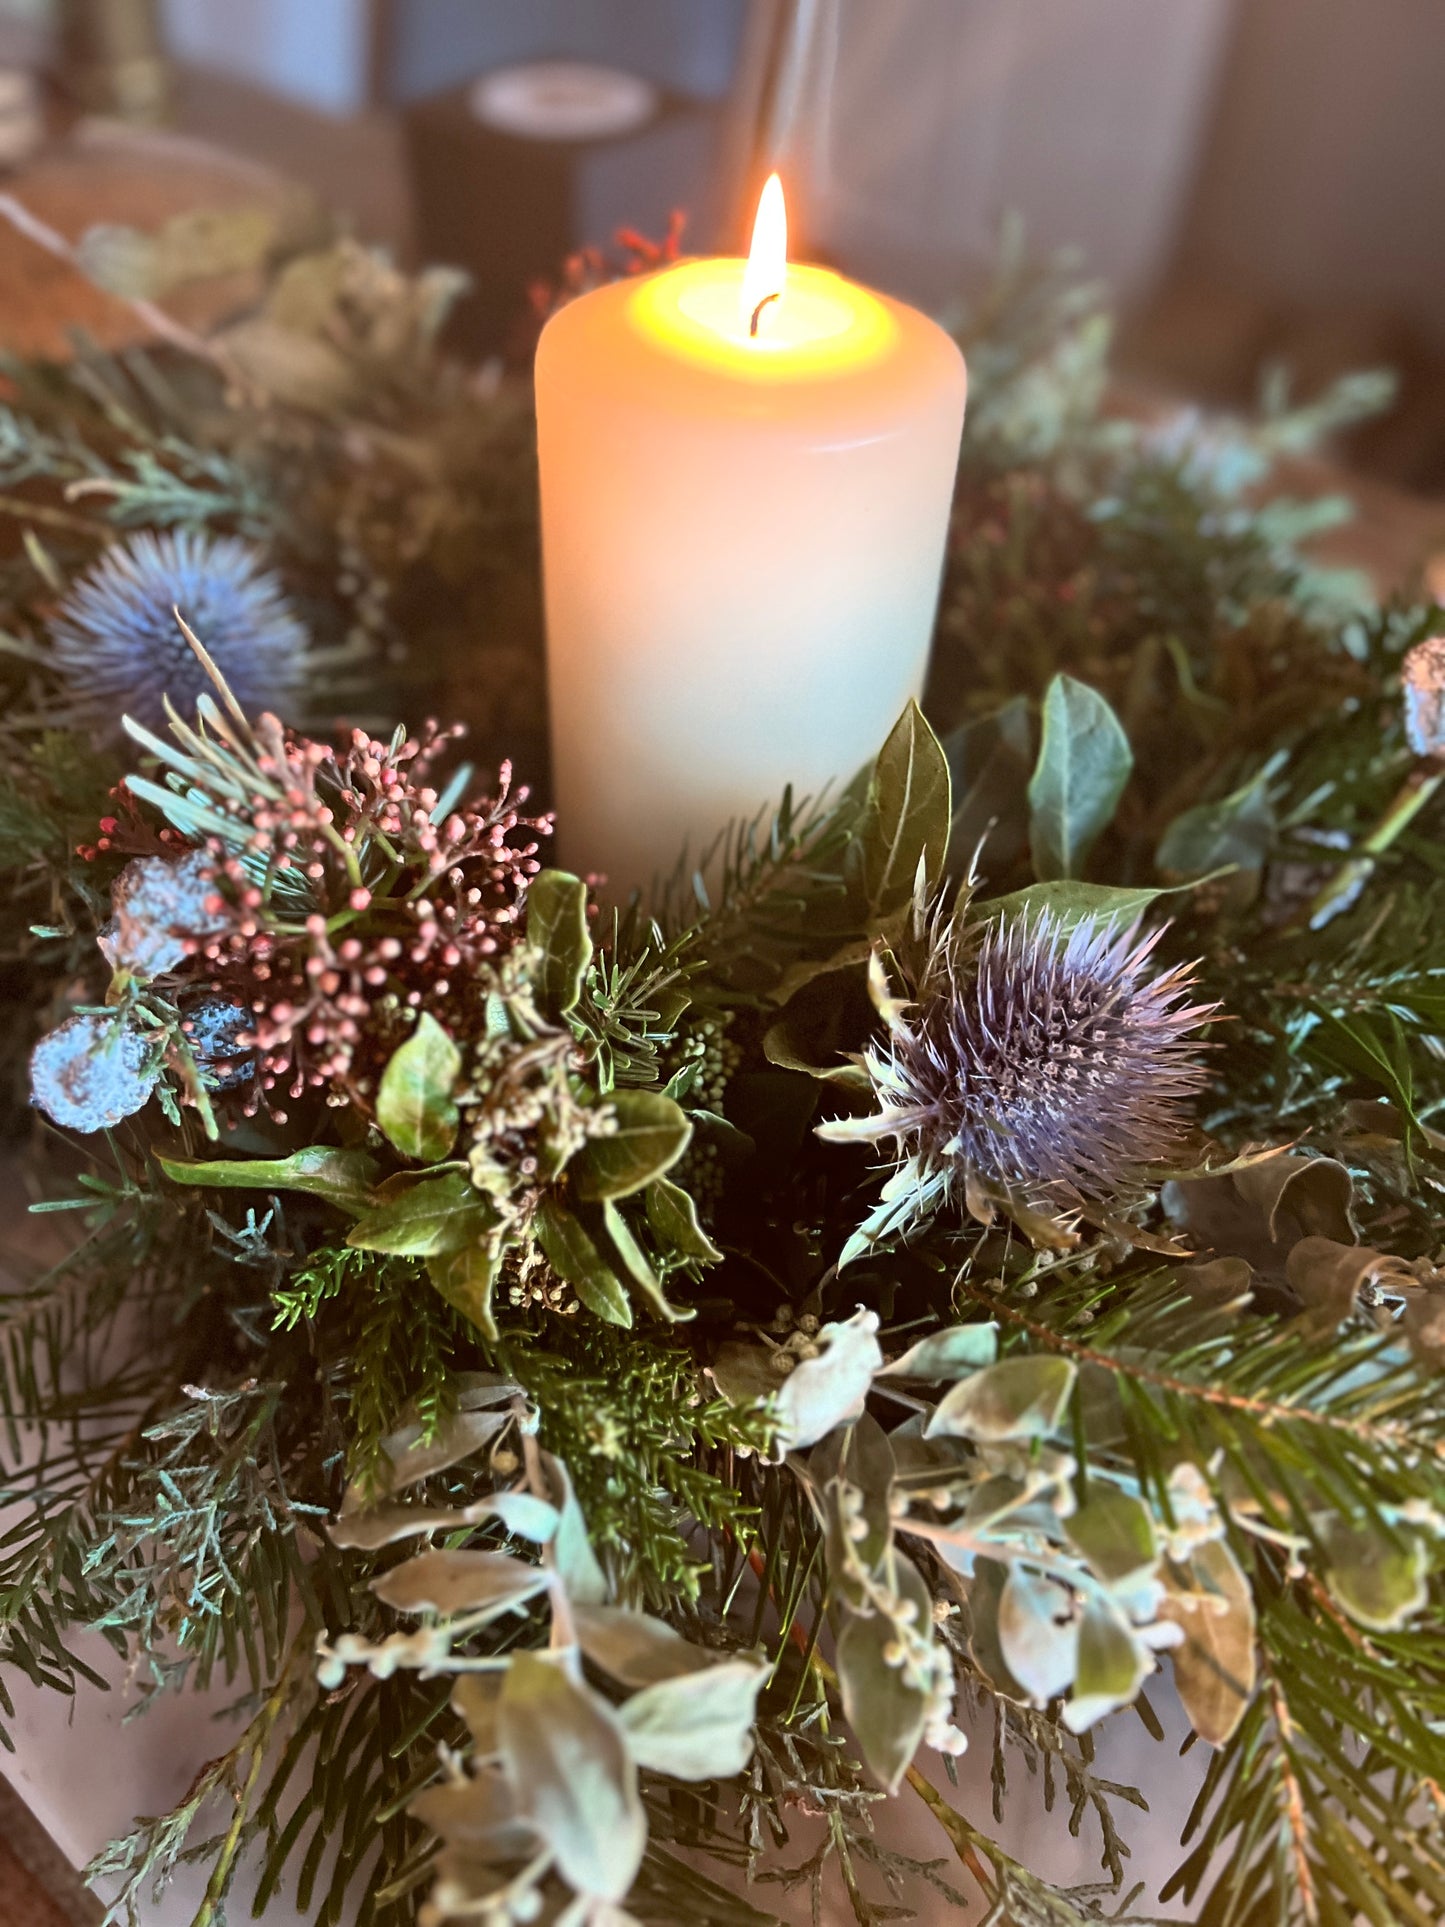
308 50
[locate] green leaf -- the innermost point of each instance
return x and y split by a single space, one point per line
427 1220
832 1388
466 1279
559 940
1114 1532
1236 833
906 817
414 1104
699 1724
1380 1578
1214 1670
1112 1666
651 1135
989 760
1019 1398
951 1353
567 1759
1068 903
635 1263
570 1251
884 1710
673 1216
343 1178
1084 763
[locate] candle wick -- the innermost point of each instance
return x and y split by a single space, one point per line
757 312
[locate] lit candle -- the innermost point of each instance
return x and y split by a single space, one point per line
746 475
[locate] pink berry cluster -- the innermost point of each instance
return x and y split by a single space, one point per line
347 899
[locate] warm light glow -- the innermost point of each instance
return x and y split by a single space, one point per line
767 269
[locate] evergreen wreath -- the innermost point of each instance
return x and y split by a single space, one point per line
603 1386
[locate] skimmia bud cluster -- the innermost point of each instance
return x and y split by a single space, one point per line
348 893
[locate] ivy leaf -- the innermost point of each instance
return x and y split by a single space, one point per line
1379 1578
1214 1669
1084 763
445 1581
906 817
466 1279
427 1220
414 1104
887 1714
652 1134
697 1725
1019 1398
951 1353
673 1216
343 1178
569 1250
568 1760
559 940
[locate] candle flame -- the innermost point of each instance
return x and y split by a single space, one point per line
767 269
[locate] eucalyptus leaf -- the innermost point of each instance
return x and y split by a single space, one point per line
1214 1669
568 1761
1038 1633
885 1712
951 1353
409 1456
651 1135
697 1725
445 1581
989 762
582 1577
571 1251
428 1220
476 1697
343 1177
1236 833
634 1647
1019 1398
1112 1665
415 1108
907 814
1083 764
559 939
828 1390
1114 1533
1379 1577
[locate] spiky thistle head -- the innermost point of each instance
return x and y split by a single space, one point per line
1044 1056
122 652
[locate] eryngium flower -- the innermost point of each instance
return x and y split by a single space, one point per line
1049 1057
213 1026
92 1071
121 650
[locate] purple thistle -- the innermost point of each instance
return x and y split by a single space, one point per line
121 650
1047 1056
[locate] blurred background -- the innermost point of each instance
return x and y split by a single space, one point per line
1259 181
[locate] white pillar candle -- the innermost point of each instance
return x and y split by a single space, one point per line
746 475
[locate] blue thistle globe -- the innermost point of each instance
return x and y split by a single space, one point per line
121 651
92 1071
1048 1057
